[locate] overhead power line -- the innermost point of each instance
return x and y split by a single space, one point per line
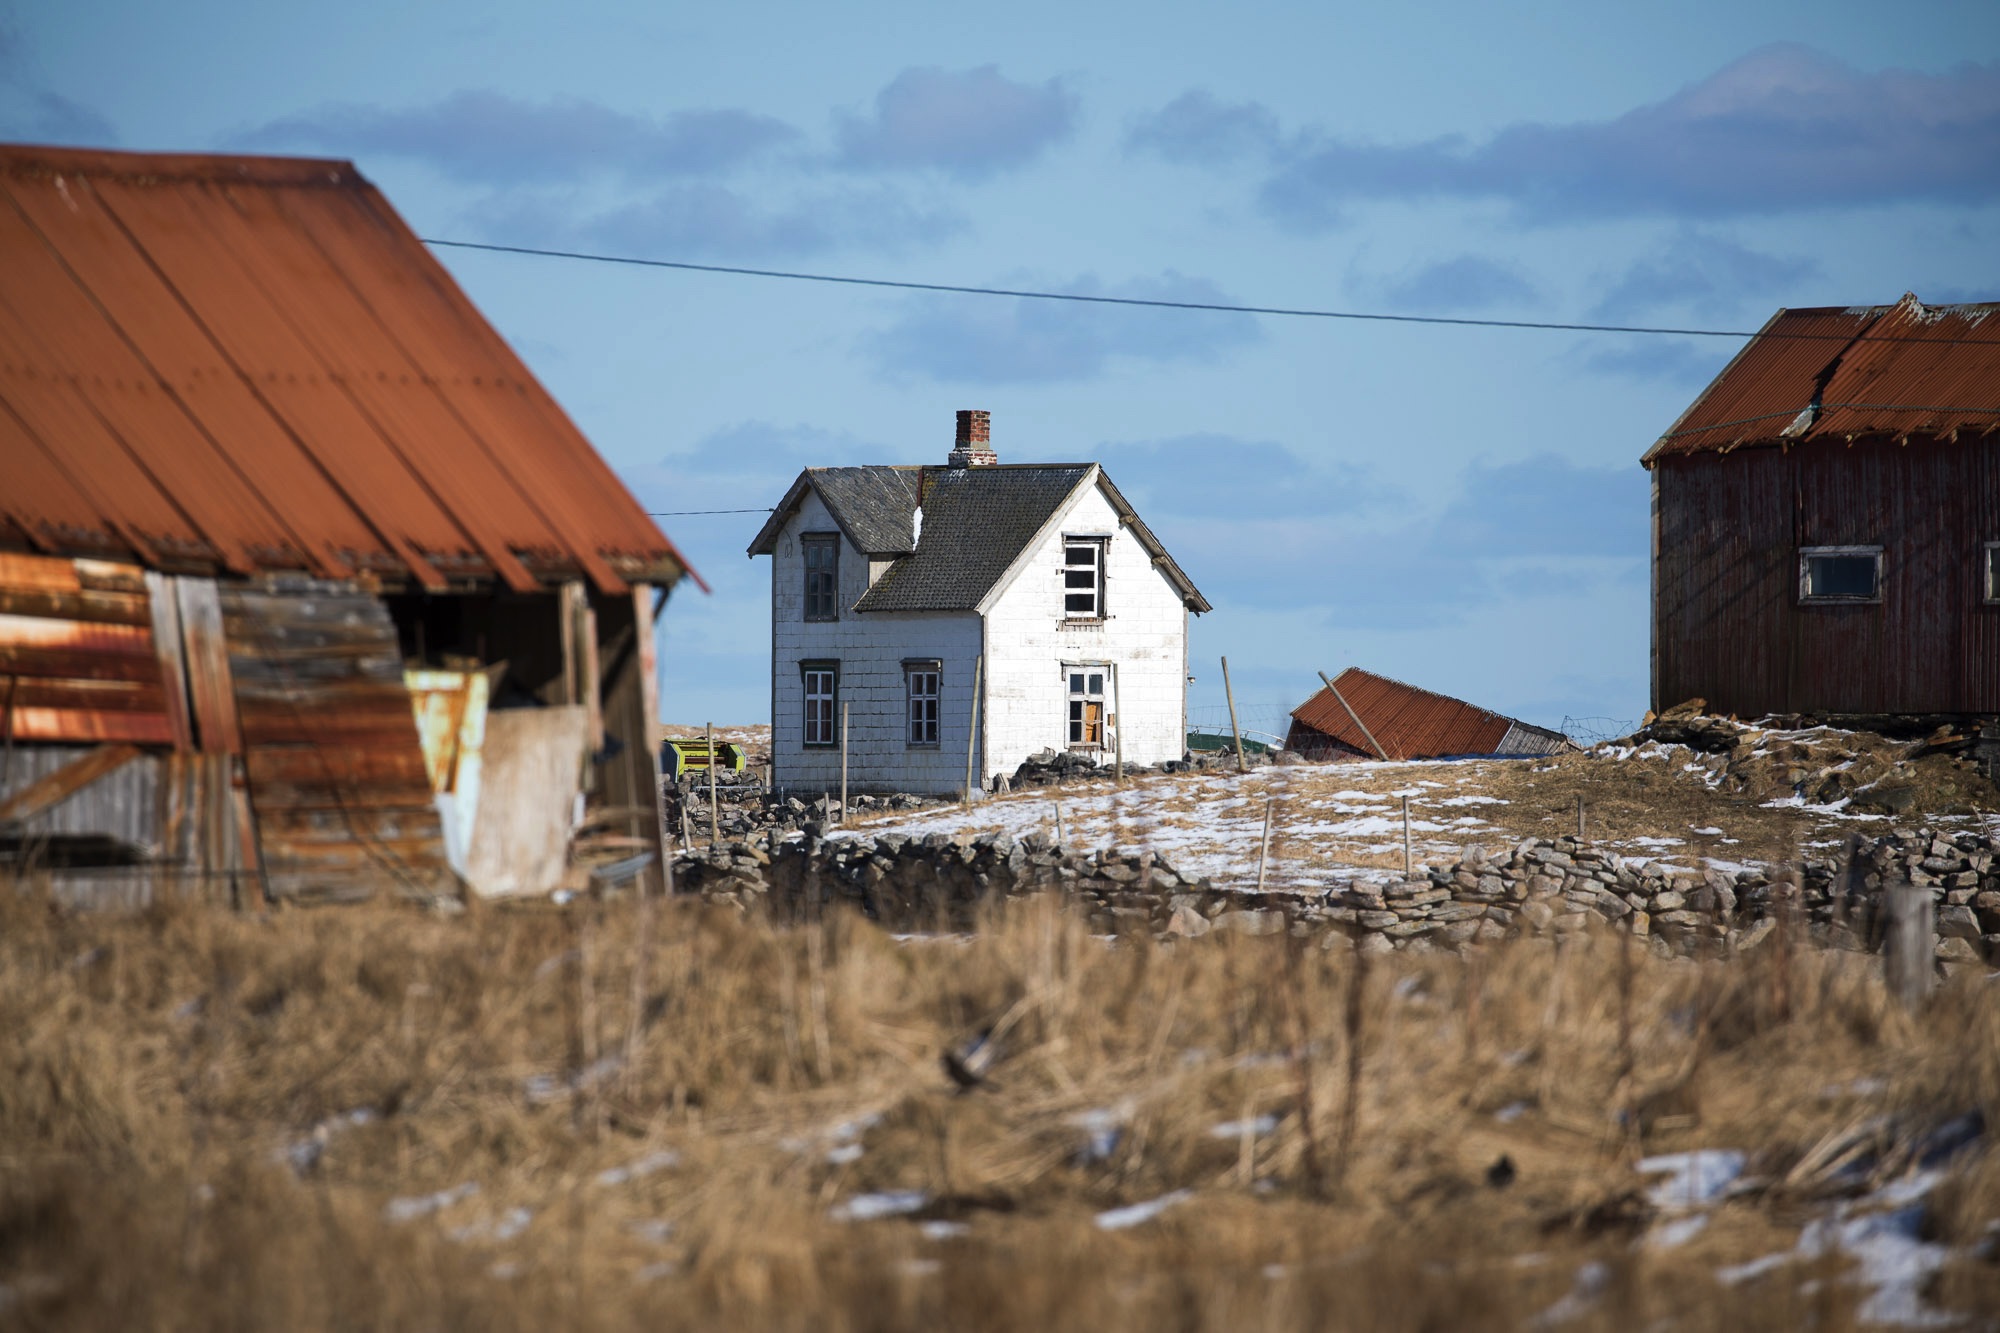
1160 304
687 513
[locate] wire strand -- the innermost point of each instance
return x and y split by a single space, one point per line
1029 294
689 513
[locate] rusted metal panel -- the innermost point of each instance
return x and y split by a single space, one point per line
254 363
1829 376
337 783
123 803
78 653
1728 623
1410 723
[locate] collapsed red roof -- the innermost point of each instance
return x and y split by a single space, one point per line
252 364
1411 723
1899 371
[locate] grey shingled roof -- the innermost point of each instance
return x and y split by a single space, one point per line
976 521
872 504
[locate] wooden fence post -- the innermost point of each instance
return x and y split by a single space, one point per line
843 763
1234 730
1907 949
1407 867
972 726
1264 850
714 807
1579 816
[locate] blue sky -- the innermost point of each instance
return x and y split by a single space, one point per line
1461 508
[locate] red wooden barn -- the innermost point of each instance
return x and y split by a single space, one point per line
1826 521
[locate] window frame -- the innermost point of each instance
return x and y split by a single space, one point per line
808 543
1100 544
1989 573
830 668
1072 721
914 670
1808 553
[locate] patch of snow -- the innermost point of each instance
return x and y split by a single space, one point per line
1103 1127
943 1230
1706 832
888 1203
502 1228
1677 1232
845 1155
638 1170
1591 1280
422 1205
1511 1112
1470 800
1257 1127
1693 1178
1118 1219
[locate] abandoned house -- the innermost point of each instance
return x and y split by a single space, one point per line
1826 522
938 625
308 589
1365 716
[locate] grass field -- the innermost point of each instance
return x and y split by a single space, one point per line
675 1117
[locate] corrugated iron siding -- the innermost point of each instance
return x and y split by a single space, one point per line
1409 722
1728 626
337 780
77 657
250 364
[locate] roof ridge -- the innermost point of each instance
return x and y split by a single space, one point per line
17 159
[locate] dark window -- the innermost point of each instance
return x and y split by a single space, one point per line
1840 574
822 561
1086 706
1083 578
920 683
822 682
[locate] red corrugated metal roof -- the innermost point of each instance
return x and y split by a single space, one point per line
1409 722
253 364
1901 371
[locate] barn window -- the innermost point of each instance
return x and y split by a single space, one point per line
1840 574
822 692
1083 577
822 560
1992 571
1086 707
920 685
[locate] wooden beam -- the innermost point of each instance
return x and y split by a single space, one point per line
1356 716
165 611
53 789
210 683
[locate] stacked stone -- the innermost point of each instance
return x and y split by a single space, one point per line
1539 888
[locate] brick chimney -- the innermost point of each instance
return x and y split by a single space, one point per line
970 448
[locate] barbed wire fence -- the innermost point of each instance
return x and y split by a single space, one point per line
1588 731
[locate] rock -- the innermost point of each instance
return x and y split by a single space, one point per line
1373 943
1957 950
1188 922
1669 900
1958 923
1252 922
1747 939
1537 914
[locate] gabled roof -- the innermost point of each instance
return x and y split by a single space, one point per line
1900 371
977 522
1409 722
874 506
243 363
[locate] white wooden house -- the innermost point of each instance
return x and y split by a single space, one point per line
898 593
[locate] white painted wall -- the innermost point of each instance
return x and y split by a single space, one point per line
870 649
1144 636
1024 705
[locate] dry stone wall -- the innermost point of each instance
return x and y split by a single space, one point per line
1537 888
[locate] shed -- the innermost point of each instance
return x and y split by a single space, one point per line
306 585
1826 521
1366 716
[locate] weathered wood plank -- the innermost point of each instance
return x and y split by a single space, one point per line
101 608
164 614
207 656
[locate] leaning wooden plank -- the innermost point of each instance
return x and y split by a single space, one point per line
207 656
530 774
165 610
52 790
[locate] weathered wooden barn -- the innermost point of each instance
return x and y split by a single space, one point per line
1826 522
1361 715
308 589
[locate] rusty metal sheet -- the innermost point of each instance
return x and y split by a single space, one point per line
342 802
55 788
263 366
1411 723
1901 371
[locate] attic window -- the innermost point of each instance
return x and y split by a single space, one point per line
1840 574
1992 572
821 551
1083 577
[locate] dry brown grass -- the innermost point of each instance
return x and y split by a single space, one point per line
155 1068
